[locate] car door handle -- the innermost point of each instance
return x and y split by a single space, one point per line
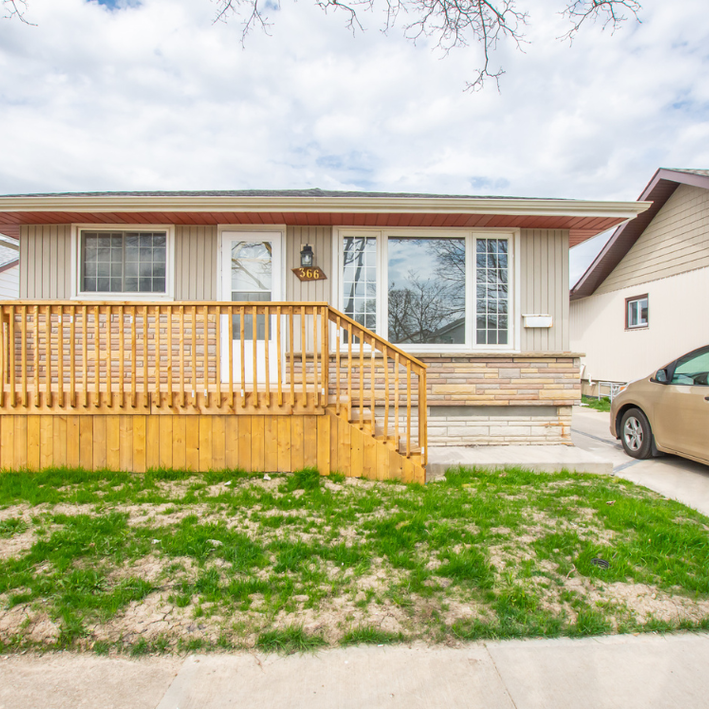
706 398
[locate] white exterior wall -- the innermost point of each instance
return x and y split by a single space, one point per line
678 323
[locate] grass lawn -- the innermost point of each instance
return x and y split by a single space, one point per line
603 404
174 561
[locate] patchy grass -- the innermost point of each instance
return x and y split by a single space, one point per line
289 640
172 561
602 404
368 635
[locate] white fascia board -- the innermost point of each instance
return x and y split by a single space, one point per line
9 243
379 205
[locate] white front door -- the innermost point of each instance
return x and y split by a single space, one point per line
251 272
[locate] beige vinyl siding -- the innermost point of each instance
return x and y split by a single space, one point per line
45 261
677 324
677 240
320 238
195 263
544 288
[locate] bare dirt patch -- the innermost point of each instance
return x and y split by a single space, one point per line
648 602
28 622
166 515
23 512
148 568
15 545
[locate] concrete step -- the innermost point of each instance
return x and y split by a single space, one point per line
543 459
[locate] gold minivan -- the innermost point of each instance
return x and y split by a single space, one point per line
667 412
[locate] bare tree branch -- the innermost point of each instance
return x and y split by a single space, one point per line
448 24
609 12
250 9
16 8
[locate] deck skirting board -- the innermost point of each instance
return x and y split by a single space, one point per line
254 443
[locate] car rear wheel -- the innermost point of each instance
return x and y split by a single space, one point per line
635 434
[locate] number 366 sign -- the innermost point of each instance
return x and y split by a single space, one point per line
309 274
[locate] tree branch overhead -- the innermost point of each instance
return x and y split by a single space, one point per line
451 24
447 24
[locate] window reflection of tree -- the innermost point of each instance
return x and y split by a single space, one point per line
430 309
491 291
256 263
251 266
355 255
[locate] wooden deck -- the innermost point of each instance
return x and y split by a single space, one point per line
258 386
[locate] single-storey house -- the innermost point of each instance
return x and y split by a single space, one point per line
269 330
643 300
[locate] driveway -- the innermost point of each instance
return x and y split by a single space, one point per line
671 476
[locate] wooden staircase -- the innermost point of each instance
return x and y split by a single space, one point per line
369 453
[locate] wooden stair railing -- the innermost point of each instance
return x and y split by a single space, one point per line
209 357
360 356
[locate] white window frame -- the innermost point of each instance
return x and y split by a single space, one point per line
470 235
78 294
636 301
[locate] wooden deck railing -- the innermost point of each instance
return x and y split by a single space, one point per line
208 357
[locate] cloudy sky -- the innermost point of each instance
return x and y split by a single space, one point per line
152 94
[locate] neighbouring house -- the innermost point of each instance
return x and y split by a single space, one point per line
9 268
643 301
269 330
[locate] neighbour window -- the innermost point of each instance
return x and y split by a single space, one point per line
636 312
430 290
123 261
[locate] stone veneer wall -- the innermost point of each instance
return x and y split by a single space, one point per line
501 399
529 380
492 425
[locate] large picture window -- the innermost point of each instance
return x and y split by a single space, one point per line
123 262
445 290
426 291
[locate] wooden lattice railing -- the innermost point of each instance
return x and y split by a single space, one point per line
208 357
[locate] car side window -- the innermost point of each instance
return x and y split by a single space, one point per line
693 371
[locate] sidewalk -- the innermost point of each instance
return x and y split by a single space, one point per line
642 672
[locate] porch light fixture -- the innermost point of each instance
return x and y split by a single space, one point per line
306 256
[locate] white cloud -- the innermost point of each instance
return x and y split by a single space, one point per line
156 96
582 256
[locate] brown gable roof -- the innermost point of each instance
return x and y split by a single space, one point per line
664 182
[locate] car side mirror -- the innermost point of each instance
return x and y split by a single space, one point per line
661 376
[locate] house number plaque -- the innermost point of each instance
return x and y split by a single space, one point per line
309 274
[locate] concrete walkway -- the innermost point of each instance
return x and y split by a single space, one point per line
549 459
632 672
